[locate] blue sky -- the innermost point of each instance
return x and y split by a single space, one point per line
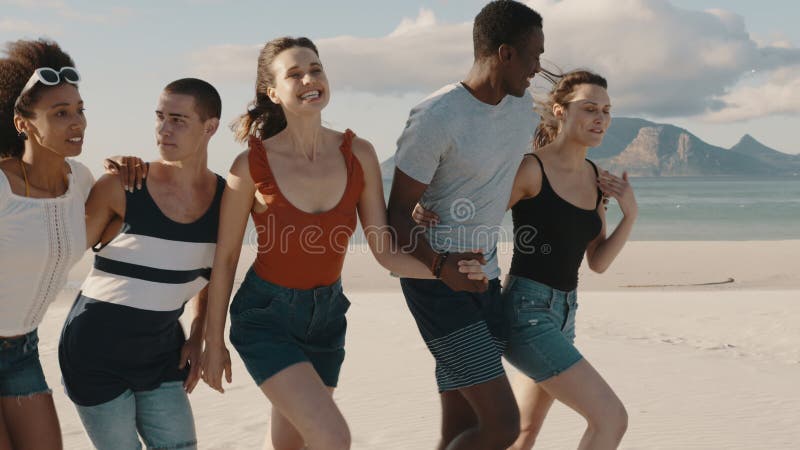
720 74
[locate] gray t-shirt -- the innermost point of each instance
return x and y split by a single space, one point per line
468 153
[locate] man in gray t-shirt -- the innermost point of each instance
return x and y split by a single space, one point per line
468 153
458 156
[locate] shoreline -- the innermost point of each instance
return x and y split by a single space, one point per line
642 266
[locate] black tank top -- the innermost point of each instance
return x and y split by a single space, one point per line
551 235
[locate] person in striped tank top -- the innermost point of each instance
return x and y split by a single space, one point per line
125 360
304 185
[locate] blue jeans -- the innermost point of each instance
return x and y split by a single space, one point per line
20 371
163 417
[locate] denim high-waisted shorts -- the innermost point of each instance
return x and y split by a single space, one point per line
274 327
542 319
20 370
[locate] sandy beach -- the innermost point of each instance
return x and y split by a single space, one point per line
699 365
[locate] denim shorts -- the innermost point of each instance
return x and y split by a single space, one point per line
541 344
274 327
465 332
20 370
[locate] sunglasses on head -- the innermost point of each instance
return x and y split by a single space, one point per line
50 77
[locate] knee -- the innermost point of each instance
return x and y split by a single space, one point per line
505 428
613 421
336 439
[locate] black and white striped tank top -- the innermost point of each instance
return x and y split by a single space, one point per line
123 330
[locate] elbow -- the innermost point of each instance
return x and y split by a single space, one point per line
596 267
384 259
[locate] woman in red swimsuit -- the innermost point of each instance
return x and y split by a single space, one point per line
304 185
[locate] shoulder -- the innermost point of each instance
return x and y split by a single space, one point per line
108 182
6 172
241 166
241 162
107 191
363 150
83 176
9 170
439 102
366 156
529 168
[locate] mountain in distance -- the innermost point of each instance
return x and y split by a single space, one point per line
644 148
747 145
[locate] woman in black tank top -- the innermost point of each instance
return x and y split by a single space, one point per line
559 214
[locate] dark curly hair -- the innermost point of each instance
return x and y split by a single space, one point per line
502 22
264 118
22 59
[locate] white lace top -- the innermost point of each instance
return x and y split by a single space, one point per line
40 240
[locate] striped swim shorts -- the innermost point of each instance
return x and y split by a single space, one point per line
465 332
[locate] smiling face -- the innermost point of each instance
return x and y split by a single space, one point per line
586 116
58 122
521 63
301 86
180 132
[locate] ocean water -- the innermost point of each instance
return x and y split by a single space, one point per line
710 209
715 208
699 209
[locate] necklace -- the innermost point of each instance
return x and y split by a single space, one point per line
27 184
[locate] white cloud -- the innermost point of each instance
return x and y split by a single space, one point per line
779 94
425 21
660 60
419 55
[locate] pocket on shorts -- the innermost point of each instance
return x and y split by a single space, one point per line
337 320
341 304
532 301
529 306
252 300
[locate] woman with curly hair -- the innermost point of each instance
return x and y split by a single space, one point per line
42 195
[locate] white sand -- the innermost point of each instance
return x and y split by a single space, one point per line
711 367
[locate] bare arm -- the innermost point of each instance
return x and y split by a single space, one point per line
193 347
237 201
406 193
602 251
198 328
527 182
106 204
